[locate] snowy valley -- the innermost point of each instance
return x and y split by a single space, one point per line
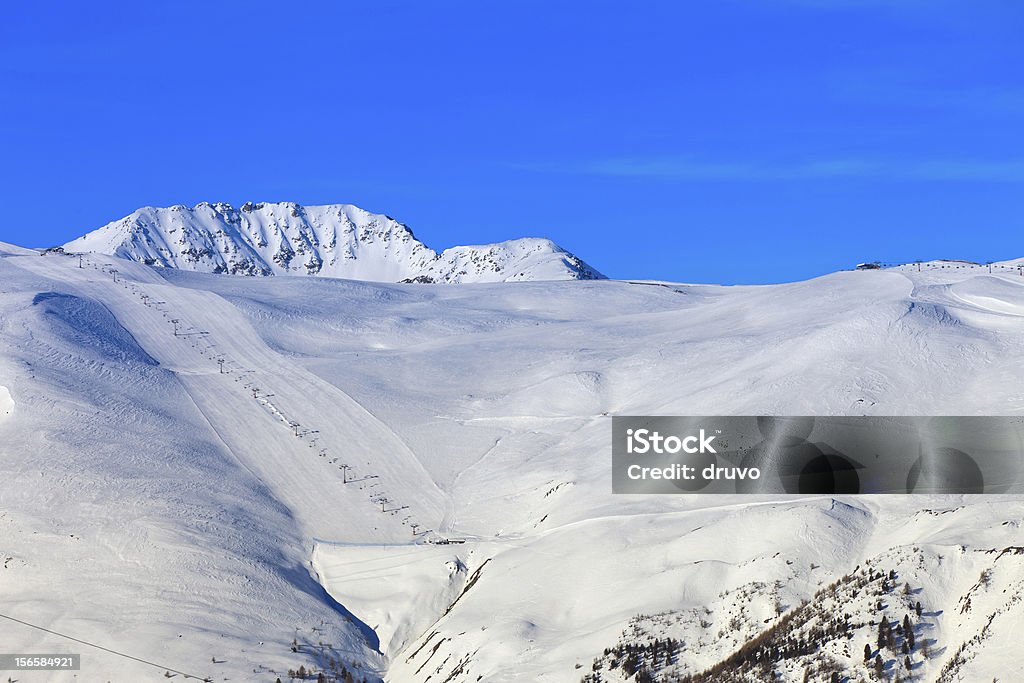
235 477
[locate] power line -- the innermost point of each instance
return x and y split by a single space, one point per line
105 649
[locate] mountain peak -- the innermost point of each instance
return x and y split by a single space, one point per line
332 240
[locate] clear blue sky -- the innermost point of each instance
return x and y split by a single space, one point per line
717 141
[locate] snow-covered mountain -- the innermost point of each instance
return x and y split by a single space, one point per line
337 240
234 477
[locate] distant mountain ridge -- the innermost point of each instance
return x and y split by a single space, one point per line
334 240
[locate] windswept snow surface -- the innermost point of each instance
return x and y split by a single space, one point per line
173 469
6 403
336 240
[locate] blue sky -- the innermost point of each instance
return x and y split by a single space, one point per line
728 141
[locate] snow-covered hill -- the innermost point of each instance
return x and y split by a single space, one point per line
336 240
234 477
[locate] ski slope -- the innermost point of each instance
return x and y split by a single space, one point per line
204 471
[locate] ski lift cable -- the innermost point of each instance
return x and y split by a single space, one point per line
105 649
